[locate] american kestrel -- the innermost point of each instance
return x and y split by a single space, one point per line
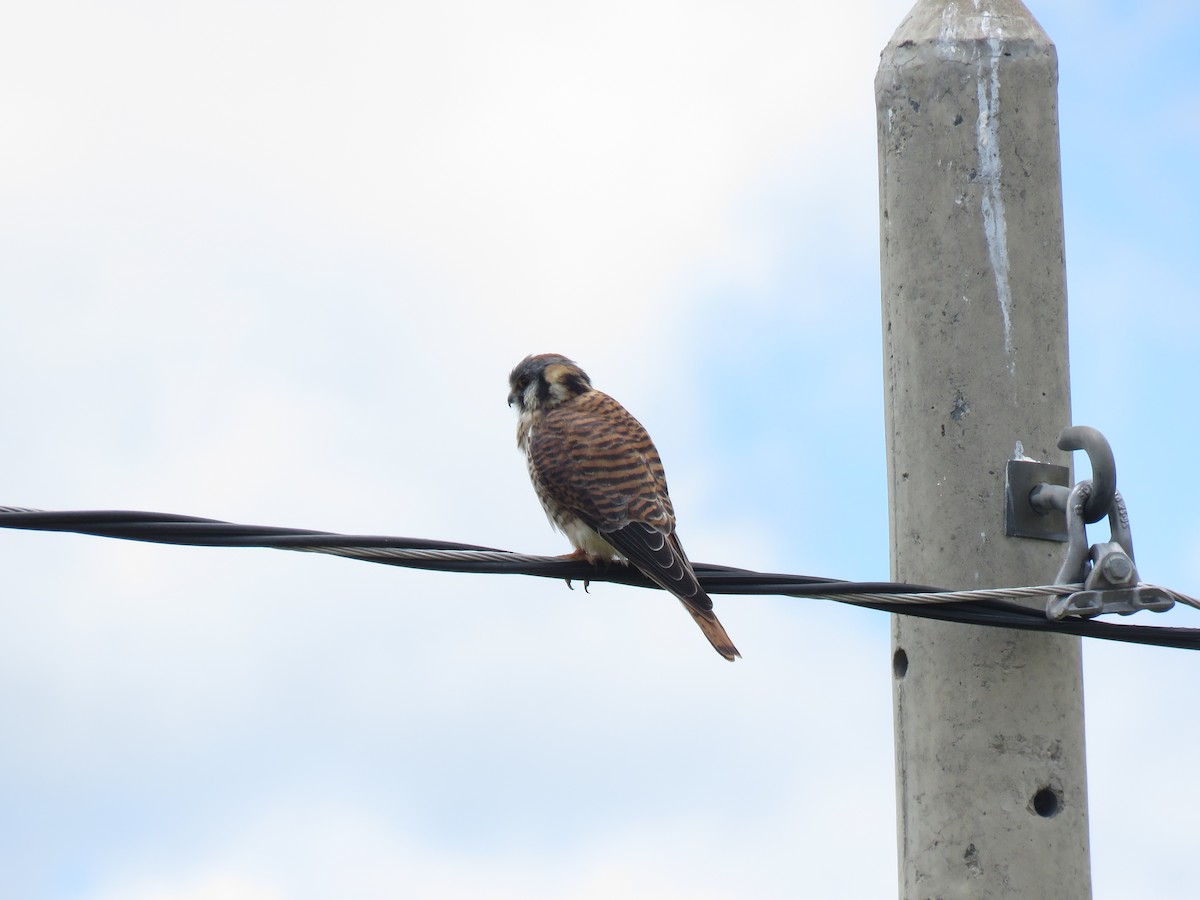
601 482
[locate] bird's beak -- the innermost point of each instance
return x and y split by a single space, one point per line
512 397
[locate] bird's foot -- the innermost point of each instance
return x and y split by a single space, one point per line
579 555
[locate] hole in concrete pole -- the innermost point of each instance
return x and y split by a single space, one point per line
1046 802
899 663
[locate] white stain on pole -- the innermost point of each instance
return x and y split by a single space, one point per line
987 145
961 24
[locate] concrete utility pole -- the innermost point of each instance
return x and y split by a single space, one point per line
990 773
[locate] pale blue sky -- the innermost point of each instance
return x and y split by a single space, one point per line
272 263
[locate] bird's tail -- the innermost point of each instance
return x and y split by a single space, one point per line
714 631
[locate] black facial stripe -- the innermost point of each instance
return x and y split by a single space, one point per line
576 383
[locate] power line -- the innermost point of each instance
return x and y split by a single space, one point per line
993 608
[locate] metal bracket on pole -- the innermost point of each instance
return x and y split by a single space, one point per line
1023 478
1107 570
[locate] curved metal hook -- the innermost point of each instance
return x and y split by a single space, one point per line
1104 468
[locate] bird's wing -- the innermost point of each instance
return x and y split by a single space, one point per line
660 557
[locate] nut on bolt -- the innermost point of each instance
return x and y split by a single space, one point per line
1117 568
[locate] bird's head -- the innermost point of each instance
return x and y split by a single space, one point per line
541 382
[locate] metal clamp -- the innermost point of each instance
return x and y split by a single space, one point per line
1107 570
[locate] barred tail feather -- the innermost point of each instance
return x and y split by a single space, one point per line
715 632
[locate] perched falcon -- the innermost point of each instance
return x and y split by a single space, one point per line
601 482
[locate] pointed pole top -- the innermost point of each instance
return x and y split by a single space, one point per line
952 22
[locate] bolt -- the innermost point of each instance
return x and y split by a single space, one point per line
1117 568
